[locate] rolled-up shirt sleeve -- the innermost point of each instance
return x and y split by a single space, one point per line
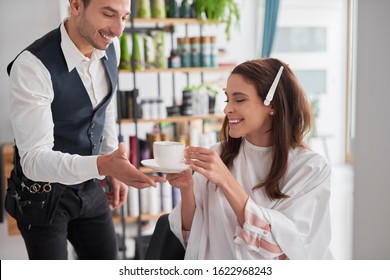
297 227
256 234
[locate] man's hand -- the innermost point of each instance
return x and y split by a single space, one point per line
119 167
118 192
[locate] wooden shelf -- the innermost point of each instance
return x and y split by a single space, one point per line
226 68
172 21
176 119
144 217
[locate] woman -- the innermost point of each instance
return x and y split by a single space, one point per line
260 193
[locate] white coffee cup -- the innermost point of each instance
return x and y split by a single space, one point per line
168 154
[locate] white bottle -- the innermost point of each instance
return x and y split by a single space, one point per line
195 103
194 136
145 106
133 202
203 97
166 195
154 109
154 200
204 140
162 109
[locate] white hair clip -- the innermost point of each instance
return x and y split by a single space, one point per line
271 92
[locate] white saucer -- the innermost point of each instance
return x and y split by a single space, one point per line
151 163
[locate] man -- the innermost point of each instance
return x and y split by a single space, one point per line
63 119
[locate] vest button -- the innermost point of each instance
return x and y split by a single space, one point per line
94 146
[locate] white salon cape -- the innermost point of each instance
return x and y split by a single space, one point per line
295 228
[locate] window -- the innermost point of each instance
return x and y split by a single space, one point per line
311 37
300 39
313 81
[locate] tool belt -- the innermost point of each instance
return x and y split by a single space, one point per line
30 202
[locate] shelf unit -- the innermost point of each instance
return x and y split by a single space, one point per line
137 25
176 119
183 70
142 217
173 21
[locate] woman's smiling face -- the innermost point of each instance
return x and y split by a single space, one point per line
247 115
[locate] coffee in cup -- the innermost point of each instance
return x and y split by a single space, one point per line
168 154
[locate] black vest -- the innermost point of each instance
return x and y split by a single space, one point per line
77 126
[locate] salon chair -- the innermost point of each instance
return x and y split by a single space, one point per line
164 245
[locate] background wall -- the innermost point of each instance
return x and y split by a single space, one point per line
371 237
21 22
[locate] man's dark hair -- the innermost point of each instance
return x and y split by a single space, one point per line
86 2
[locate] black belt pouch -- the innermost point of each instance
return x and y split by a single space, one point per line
31 208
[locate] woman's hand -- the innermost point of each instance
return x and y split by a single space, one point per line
185 183
208 163
182 180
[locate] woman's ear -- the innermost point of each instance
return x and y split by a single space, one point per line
271 109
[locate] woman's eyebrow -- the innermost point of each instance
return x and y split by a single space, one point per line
237 93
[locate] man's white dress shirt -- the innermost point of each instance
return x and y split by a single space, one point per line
31 117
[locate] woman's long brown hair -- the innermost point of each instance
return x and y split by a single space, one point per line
292 119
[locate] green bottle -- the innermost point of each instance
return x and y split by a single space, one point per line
125 58
185 9
143 10
137 52
173 9
159 9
